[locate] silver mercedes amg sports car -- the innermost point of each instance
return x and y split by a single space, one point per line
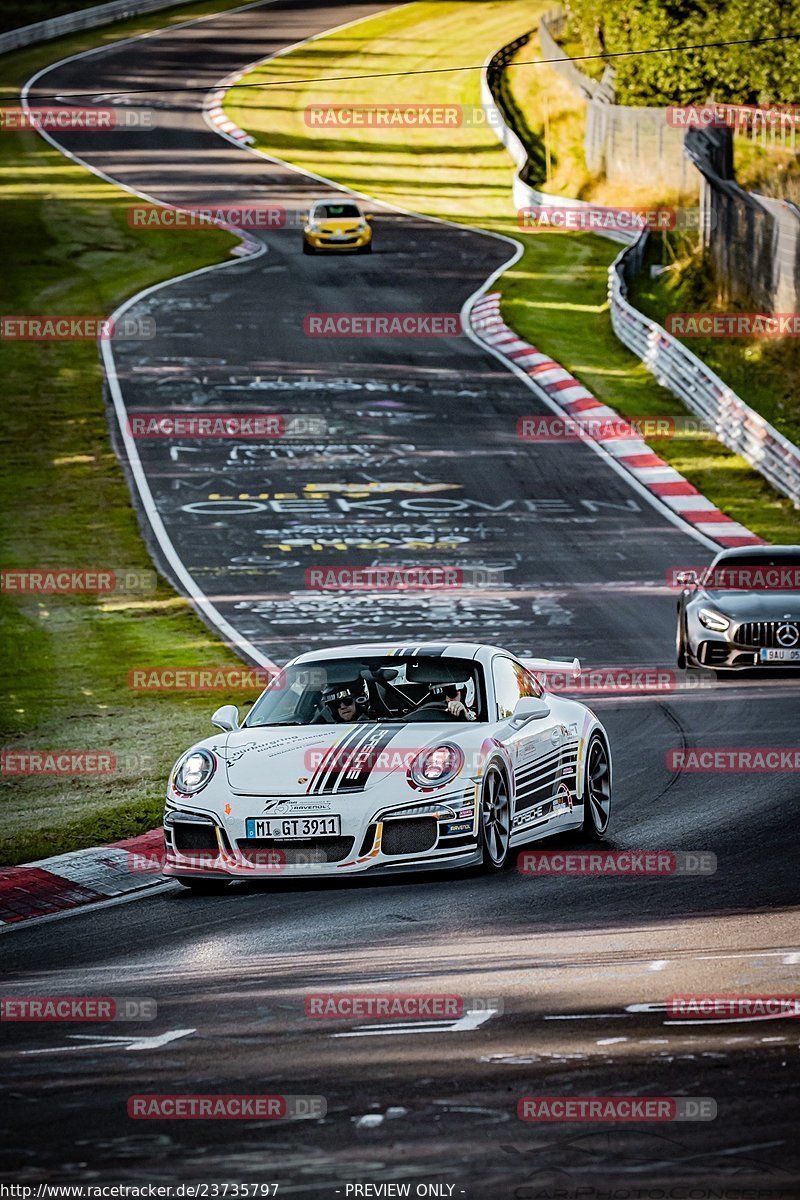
743 611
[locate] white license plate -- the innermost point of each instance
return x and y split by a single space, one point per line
777 655
293 827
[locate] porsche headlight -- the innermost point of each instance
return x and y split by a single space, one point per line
193 771
713 620
437 766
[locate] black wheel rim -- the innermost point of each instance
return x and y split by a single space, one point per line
599 785
496 815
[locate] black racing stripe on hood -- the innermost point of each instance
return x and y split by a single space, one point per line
359 761
330 763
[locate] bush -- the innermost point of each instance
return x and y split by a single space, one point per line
743 74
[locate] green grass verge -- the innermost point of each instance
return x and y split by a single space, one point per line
773 170
459 172
65 660
556 295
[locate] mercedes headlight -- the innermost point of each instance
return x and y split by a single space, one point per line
713 620
193 771
437 766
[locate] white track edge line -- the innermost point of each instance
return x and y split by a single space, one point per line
194 593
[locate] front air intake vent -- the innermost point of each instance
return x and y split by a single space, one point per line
191 838
409 837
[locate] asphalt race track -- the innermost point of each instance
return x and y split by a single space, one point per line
419 455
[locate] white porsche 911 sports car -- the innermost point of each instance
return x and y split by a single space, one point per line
379 758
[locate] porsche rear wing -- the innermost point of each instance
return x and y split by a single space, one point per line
552 665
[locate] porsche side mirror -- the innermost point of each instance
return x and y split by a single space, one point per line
226 718
368 217
530 708
687 578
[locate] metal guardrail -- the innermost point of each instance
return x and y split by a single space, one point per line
732 421
85 18
750 240
621 141
501 122
550 26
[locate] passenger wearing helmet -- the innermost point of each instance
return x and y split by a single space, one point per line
346 706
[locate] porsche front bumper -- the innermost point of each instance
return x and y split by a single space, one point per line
200 845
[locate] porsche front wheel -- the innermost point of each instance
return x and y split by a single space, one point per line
597 791
495 819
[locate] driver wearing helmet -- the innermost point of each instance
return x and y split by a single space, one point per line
346 706
451 695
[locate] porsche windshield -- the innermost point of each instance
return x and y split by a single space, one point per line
341 691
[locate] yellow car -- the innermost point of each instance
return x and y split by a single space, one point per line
337 225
